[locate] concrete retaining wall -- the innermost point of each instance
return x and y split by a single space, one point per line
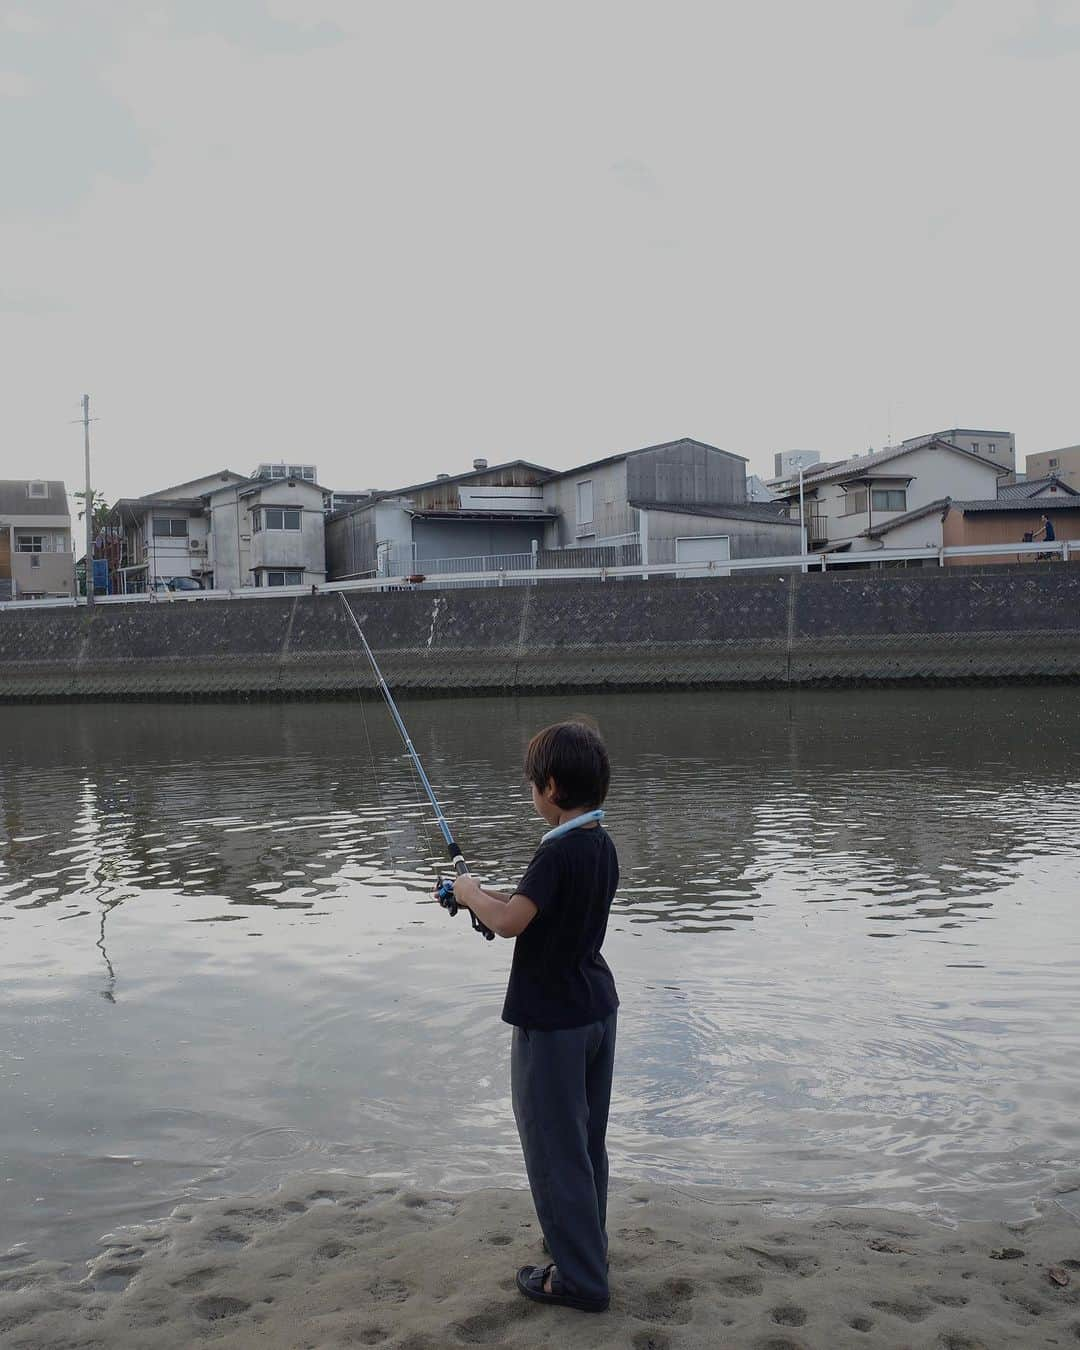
1001 623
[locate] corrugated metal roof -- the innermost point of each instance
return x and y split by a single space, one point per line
626 454
15 499
769 512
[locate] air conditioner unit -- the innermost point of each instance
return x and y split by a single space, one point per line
197 545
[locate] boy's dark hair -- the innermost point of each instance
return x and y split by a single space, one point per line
574 755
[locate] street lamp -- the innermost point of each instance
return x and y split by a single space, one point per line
800 461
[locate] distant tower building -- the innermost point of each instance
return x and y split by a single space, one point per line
307 472
998 446
787 463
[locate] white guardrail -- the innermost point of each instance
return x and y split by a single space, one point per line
1061 550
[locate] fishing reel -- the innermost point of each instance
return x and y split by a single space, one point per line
444 893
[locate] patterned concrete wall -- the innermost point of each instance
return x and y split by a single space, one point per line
1005 623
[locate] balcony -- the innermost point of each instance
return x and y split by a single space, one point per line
817 528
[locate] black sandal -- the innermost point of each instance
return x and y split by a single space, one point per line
531 1281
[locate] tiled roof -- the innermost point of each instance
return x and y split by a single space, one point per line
1033 506
861 465
1031 487
15 500
876 531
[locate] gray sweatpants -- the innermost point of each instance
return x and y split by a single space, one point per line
560 1082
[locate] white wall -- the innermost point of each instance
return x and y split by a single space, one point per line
303 549
230 522
935 473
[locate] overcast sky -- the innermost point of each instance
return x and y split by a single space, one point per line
389 237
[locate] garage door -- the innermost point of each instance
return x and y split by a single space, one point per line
699 548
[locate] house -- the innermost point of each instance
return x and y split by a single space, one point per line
890 498
36 558
1007 519
266 531
488 511
997 446
223 530
1063 464
152 540
681 500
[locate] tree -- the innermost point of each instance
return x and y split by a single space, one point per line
101 508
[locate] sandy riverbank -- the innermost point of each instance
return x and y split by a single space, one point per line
330 1261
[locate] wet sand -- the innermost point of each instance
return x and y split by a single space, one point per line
330 1261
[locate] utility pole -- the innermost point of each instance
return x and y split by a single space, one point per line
89 505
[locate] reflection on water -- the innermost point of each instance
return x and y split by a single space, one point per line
845 940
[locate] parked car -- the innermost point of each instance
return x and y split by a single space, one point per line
164 584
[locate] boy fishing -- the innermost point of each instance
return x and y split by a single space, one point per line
561 1001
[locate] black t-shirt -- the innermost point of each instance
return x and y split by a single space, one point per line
1049 532
558 978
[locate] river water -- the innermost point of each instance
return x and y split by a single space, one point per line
846 941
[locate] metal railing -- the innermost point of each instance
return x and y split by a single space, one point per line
1035 553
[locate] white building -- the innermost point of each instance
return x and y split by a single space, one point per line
886 499
223 530
267 532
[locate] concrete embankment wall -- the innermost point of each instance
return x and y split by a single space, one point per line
1000 623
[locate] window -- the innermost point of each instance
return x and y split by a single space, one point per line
992 447
29 543
278 471
1052 463
170 527
35 560
854 502
975 446
584 502
889 499
37 489
287 576
281 518
256 521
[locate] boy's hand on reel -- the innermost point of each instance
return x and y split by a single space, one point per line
464 889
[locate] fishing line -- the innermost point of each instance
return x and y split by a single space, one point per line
444 889
383 817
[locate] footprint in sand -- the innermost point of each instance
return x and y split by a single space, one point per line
860 1323
665 1302
651 1340
909 1311
484 1328
789 1315
945 1299
330 1251
742 1286
195 1279
216 1307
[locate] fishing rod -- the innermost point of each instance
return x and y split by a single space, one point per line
444 891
